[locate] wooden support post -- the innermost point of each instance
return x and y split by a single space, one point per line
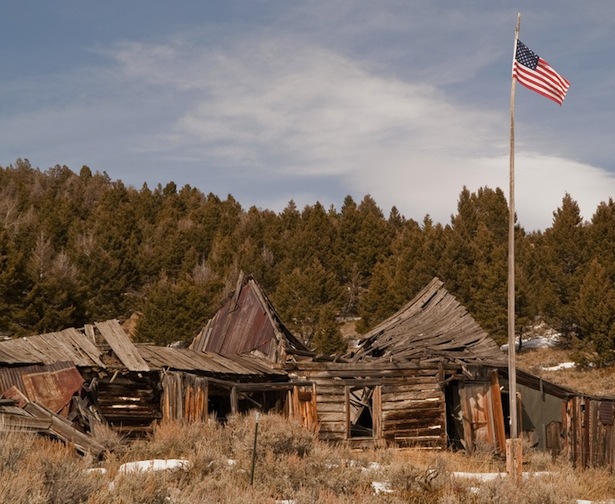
234 401
514 458
256 419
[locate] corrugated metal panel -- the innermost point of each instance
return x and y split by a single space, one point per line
606 412
250 326
247 323
52 385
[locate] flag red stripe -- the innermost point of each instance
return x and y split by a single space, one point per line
544 80
544 77
537 80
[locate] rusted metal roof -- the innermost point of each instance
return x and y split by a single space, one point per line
248 323
432 325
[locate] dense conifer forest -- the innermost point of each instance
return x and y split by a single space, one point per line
80 247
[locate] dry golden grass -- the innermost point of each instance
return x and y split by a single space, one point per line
291 464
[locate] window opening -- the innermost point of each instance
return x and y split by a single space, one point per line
361 411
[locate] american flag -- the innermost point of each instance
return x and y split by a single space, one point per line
535 73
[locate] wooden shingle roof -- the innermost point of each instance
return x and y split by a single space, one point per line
67 345
433 325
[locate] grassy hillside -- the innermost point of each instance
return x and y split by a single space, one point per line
594 381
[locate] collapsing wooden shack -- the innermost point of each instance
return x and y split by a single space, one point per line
397 388
97 375
247 323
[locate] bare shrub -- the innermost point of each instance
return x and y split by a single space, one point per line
223 490
536 490
14 446
63 474
135 488
291 465
35 469
276 434
108 438
284 437
168 440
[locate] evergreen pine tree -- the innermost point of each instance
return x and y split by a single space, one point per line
563 257
328 339
595 311
302 295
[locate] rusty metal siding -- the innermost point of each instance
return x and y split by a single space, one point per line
249 327
51 385
248 323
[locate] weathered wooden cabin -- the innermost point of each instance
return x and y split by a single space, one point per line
400 386
248 324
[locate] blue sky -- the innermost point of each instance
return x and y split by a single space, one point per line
277 100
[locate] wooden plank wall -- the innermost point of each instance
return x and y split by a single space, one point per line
589 440
301 405
184 397
129 402
414 412
483 417
409 406
330 407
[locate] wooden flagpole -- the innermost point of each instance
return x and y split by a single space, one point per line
513 448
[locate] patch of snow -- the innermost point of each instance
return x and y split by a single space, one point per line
494 476
559 367
96 470
538 342
381 487
583 501
154 465
478 476
371 467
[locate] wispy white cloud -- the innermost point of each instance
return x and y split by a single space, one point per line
324 112
309 112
